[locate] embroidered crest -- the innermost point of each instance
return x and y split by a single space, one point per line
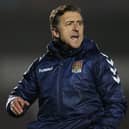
77 66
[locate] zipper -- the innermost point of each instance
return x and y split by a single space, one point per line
59 89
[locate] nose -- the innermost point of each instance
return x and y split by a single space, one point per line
75 27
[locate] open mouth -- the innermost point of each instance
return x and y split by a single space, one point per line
74 37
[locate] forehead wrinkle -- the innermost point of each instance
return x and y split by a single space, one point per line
71 16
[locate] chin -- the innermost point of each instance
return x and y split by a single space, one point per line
75 45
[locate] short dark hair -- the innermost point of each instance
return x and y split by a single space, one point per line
59 11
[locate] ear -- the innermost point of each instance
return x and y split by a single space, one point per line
55 33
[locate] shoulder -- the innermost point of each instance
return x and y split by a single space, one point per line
105 65
99 62
104 59
34 64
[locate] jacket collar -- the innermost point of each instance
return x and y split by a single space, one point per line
60 49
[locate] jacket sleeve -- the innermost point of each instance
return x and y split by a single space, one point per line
27 88
111 93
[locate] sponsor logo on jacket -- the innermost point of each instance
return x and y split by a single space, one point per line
45 69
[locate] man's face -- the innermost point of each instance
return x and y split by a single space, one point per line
70 29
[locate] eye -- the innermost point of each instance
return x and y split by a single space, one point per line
80 23
69 23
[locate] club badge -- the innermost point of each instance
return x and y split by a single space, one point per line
77 66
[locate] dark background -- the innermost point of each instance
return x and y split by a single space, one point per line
24 34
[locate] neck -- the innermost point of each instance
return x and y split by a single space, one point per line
64 49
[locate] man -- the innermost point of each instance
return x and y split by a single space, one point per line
78 87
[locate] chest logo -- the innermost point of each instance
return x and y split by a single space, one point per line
45 69
77 66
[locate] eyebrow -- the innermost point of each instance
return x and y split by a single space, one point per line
74 21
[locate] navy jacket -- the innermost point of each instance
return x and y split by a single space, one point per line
77 89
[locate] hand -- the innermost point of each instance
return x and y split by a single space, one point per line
17 105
